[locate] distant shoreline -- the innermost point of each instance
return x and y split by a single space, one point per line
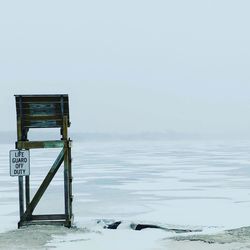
8 137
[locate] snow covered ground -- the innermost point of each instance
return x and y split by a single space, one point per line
183 185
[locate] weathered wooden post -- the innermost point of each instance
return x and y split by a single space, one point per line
42 111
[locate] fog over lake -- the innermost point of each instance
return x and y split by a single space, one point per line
131 67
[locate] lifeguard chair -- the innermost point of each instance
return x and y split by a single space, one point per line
44 111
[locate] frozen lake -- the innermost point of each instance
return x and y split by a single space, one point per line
181 184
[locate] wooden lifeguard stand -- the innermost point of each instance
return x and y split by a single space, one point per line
44 111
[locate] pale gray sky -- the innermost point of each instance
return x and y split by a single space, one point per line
131 66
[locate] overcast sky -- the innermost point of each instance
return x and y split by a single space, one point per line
131 66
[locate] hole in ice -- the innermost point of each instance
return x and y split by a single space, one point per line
111 224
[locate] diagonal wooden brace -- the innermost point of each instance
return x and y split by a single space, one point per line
28 213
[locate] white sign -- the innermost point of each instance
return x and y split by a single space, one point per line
19 162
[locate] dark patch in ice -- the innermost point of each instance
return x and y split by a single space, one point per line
139 227
111 224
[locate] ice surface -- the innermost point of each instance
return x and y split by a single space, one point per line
184 184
